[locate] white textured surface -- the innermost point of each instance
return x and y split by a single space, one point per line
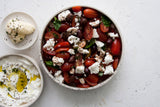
136 85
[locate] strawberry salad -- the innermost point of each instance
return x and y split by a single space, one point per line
81 47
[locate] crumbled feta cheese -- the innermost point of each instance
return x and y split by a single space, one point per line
72 71
63 15
95 23
83 51
82 81
57 73
94 68
73 30
59 78
76 20
99 43
102 69
49 44
98 58
102 52
78 13
57 61
73 39
108 58
108 70
95 34
113 35
80 69
71 51
77 24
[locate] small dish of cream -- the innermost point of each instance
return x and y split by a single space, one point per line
19 30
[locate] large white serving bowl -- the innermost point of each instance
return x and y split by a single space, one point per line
71 87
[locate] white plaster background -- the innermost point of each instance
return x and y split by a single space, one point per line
137 84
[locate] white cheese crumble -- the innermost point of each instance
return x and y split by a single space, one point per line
83 51
63 15
71 51
73 30
57 73
95 34
59 78
80 69
98 58
78 13
95 23
102 52
113 35
108 70
94 68
49 44
82 81
73 40
108 58
72 71
99 43
57 61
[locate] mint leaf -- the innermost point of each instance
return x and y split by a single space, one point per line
49 63
92 41
56 23
106 21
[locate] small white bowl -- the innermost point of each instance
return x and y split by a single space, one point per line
38 69
76 88
29 39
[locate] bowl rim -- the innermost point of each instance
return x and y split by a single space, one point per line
39 71
77 88
36 28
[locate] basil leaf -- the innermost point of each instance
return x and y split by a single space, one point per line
92 41
49 63
56 23
106 21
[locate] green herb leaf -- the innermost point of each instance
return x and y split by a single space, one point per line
15 70
4 71
55 35
100 74
9 88
7 33
106 21
92 41
49 63
56 23
16 34
1 83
